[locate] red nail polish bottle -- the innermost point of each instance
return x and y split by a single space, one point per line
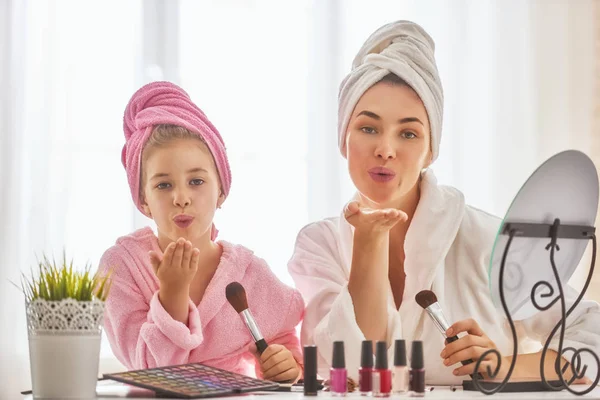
382 375
365 372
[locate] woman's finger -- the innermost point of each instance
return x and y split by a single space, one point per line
470 353
466 325
469 369
464 343
351 208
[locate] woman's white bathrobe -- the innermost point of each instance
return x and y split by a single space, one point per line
447 250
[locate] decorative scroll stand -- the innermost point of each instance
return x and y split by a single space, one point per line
554 232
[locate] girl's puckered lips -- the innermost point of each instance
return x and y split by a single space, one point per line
183 220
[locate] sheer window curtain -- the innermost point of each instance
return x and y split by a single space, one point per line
519 80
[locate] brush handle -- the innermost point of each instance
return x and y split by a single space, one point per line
261 346
464 362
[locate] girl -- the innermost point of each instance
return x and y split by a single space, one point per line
403 233
167 302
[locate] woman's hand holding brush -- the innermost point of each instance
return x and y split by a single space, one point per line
471 347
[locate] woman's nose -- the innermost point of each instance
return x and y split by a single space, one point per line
385 150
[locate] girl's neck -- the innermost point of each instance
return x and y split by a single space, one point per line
209 250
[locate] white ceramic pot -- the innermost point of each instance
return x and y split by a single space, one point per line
64 348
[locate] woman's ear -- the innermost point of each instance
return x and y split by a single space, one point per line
428 160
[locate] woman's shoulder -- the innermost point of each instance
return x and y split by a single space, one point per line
479 228
324 231
476 218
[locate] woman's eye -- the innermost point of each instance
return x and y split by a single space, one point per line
367 130
196 182
409 135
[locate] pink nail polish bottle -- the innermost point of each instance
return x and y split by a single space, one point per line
400 371
338 373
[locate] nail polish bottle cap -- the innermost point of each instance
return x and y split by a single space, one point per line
366 354
400 353
416 355
381 361
338 355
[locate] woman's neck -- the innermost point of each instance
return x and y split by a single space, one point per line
408 204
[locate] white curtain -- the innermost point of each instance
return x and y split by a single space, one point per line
519 81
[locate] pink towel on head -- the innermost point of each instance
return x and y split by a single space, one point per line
166 103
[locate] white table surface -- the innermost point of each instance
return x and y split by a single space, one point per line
111 390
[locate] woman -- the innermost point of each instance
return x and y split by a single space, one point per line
402 233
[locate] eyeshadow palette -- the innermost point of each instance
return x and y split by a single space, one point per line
192 381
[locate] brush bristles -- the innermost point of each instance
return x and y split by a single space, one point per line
425 298
236 296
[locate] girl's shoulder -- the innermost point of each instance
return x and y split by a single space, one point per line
129 250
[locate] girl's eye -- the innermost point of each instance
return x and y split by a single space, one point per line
368 130
196 182
163 185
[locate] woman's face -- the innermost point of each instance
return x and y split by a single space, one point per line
388 143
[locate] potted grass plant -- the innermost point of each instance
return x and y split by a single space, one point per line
64 307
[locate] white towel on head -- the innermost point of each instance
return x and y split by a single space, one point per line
406 50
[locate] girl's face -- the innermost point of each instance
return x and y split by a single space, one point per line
388 143
181 189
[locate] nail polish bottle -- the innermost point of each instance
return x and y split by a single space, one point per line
416 385
365 372
338 373
310 371
400 370
382 376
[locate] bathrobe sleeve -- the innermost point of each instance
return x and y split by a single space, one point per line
321 277
141 332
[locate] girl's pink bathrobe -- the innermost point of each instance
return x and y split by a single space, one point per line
143 335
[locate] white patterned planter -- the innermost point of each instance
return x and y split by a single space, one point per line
64 347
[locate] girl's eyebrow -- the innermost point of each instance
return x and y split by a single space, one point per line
164 174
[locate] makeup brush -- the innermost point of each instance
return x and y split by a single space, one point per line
236 296
429 302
